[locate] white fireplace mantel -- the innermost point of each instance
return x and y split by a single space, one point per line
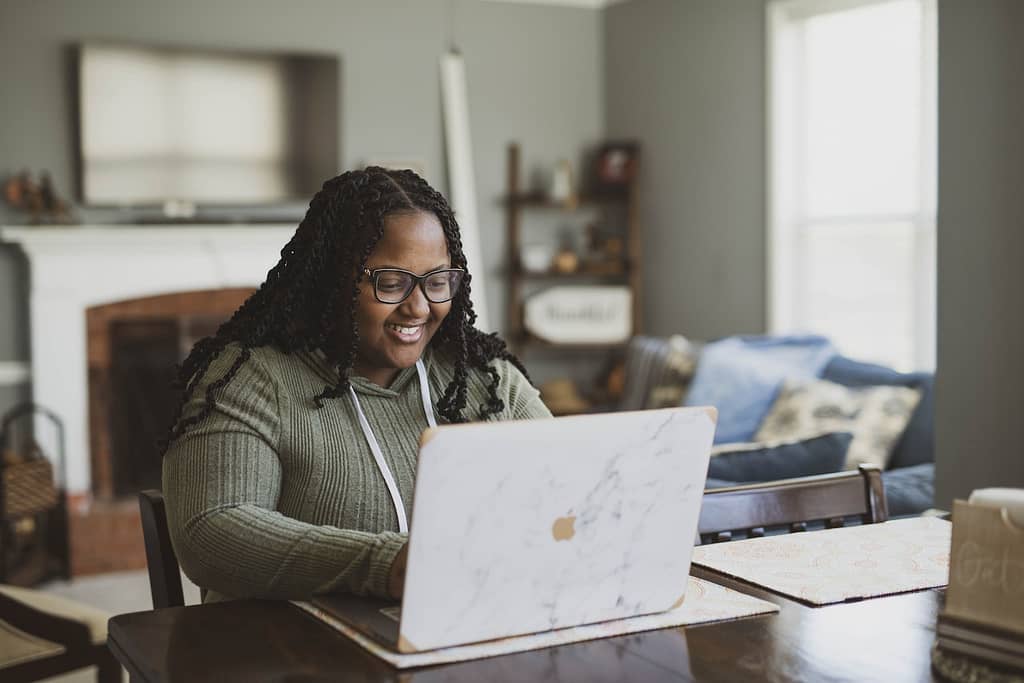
74 268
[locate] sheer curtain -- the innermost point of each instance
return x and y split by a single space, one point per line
852 173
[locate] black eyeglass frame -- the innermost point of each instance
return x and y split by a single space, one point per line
418 281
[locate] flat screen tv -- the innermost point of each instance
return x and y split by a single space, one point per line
161 124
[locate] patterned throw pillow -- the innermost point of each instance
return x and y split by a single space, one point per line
876 416
673 376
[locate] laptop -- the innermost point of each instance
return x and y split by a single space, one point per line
527 526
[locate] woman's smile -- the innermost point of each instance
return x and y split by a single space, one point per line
407 333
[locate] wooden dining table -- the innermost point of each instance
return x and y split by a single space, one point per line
879 639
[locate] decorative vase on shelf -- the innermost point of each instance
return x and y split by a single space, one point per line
562 185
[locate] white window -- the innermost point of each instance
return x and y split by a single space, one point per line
852 175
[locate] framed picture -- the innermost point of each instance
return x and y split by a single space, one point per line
616 164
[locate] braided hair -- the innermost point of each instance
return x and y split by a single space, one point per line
309 298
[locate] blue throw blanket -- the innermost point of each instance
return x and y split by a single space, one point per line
741 377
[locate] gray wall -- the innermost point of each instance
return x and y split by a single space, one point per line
980 379
534 75
686 78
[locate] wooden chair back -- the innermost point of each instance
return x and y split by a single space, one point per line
746 511
164 573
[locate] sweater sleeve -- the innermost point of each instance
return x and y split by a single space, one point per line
523 400
222 480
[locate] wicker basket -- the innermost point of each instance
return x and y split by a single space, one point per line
28 488
27 482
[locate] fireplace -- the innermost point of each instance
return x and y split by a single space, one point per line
103 293
132 348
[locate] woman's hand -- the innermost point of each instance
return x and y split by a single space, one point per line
396 579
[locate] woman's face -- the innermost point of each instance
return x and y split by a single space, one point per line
394 336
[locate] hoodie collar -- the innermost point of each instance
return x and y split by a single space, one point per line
318 362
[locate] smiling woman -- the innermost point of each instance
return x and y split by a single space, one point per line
289 467
396 318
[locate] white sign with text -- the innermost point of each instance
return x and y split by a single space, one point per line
580 314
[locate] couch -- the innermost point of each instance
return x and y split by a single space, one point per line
657 371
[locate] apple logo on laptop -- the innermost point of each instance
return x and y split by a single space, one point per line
563 529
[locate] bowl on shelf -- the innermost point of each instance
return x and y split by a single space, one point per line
537 258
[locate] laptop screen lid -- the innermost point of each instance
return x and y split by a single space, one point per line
526 526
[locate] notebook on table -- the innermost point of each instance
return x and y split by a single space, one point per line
529 526
837 565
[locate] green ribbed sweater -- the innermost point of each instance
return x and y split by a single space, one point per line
270 497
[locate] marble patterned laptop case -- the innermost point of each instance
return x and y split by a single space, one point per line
525 527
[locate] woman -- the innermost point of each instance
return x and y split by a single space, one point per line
289 470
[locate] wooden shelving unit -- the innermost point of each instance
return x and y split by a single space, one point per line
538 201
519 202
536 342
617 213
584 274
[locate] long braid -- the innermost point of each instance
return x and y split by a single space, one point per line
310 297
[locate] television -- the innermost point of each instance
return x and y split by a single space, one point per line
158 125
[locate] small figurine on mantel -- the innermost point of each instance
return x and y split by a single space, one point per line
40 199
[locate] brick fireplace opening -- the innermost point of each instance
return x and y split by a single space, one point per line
133 347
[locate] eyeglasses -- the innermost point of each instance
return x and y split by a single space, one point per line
394 285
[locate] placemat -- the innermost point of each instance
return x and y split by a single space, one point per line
705 602
835 565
